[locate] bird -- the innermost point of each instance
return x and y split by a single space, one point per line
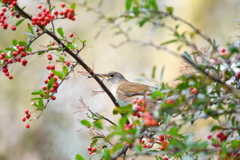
124 90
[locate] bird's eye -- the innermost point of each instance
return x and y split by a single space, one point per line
111 75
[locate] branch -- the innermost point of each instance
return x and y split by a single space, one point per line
76 57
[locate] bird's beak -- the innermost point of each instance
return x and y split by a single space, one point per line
102 75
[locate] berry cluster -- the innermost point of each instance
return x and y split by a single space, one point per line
146 142
139 106
10 4
219 141
149 120
128 126
91 150
45 16
49 91
161 139
16 56
221 137
193 90
27 116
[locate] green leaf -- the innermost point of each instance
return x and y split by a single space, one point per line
60 32
42 93
52 8
215 128
168 42
187 55
59 73
40 103
73 6
98 124
170 10
142 22
157 158
157 94
233 49
94 142
161 73
34 99
41 52
128 4
153 4
122 121
30 28
23 43
19 22
153 71
173 131
65 70
36 93
50 83
14 42
79 157
86 123
136 10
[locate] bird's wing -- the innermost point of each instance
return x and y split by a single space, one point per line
132 89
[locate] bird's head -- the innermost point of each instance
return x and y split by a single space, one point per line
112 77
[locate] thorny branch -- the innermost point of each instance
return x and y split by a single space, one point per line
75 56
96 114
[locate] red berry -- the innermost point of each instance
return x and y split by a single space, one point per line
169 101
14 53
10 77
28 116
94 149
209 137
13 27
44 88
52 67
23 119
71 35
7 74
53 97
223 50
24 62
39 6
55 85
27 125
67 63
219 135
89 148
4 9
26 111
165 158
51 74
52 90
53 43
4 70
55 13
161 138
23 54
49 56
63 5
3 54
238 75
48 67
46 81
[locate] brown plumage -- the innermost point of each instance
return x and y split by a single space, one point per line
124 90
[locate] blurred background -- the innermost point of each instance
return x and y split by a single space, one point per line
57 134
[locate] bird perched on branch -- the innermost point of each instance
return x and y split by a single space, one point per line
124 90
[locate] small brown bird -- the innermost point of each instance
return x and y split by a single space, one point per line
123 90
